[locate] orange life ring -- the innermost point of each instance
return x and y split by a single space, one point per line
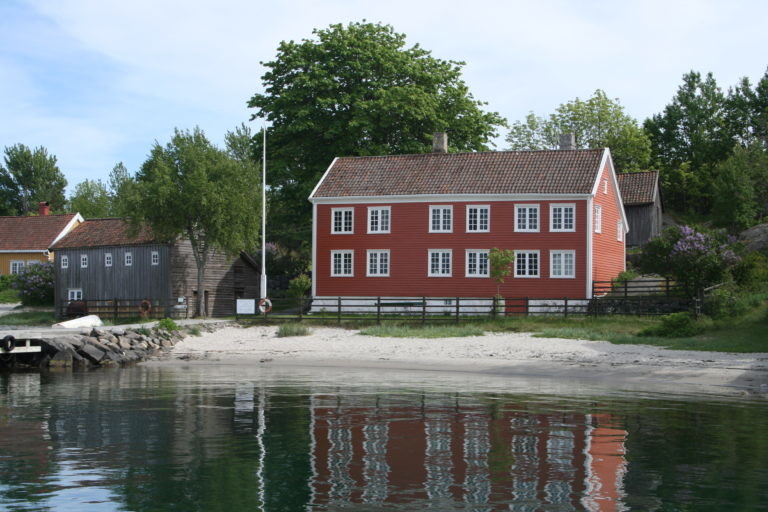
265 306
145 307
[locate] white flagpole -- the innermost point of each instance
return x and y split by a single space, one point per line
264 217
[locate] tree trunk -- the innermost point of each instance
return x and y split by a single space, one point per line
201 312
200 252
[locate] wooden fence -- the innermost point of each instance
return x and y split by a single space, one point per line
116 309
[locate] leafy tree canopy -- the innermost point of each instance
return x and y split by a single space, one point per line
28 178
190 188
91 199
596 123
357 90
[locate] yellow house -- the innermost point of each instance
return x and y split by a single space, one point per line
25 240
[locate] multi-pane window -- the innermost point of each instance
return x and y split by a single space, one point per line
478 218
440 219
526 263
155 258
477 263
342 220
562 217
128 259
378 219
562 264
527 217
108 259
440 263
75 294
620 231
65 262
598 218
378 262
341 263
17 266
83 261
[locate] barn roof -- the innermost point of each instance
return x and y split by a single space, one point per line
103 232
638 187
33 233
495 172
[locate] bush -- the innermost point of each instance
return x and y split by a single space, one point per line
5 282
35 284
287 330
193 330
752 271
675 325
299 286
167 324
726 302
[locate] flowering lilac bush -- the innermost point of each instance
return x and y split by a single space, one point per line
35 284
694 258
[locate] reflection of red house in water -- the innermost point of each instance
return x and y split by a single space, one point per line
462 455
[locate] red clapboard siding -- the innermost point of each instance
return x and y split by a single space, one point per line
608 258
410 240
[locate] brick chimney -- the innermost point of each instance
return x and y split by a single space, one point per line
43 208
440 142
567 141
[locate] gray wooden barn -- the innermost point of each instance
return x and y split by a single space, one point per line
642 204
100 264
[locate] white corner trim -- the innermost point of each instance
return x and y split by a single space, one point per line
614 183
588 259
314 249
325 174
70 225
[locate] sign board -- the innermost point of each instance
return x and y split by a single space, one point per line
246 306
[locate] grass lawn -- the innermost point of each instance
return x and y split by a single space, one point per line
36 318
429 331
8 296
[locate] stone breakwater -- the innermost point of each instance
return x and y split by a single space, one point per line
100 347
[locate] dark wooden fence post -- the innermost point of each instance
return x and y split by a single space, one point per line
458 309
114 317
527 307
423 310
565 307
338 310
493 307
378 310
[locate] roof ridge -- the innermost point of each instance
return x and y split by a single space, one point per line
504 151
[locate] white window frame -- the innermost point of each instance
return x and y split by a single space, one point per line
619 231
64 261
441 208
128 259
108 260
468 257
479 208
380 227
341 253
16 267
598 218
440 272
527 254
83 261
374 268
74 294
154 258
343 212
552 208
562 254
605 185
528 208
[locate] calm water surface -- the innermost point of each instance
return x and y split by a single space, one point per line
271 439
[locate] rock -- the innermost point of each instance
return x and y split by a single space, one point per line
61 359
74 341
117 331
92 353
97 333
109 337
124 344
166 344
756 237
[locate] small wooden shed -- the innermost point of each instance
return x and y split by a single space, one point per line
642 203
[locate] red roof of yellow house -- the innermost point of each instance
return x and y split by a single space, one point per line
34 233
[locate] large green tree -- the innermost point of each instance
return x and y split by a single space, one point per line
29 177
597 122
190 188
91 199
351 90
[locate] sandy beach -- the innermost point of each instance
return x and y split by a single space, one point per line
506 354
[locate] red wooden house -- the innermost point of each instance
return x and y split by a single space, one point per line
405 226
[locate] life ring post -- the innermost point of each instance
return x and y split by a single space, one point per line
8 343
265 306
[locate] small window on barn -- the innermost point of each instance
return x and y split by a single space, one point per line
65 262
620 231
155 258
128 259
598 218
83 261
342 220
75 294
108 259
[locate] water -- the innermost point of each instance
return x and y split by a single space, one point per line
228 438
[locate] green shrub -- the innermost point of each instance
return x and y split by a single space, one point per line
299 286
752 271
288 330
35 284
143 331
675 325
193 330
5 282
167 324
726 302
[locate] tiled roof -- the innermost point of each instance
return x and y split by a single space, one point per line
494 172
34 233
638 187
103 232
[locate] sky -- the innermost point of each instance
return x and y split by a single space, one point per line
97 82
